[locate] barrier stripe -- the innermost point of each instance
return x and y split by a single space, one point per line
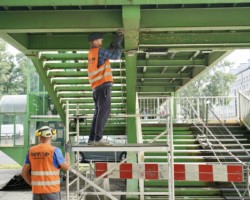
182 172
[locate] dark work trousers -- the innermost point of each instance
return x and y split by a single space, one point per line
102 98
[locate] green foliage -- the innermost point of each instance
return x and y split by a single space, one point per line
216 82
14 71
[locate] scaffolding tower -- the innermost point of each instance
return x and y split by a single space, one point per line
138 148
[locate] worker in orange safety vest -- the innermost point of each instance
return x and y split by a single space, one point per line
42 166
101 81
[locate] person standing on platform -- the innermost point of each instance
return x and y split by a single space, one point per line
41 169
101 81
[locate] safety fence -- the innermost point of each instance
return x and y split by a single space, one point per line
182 172
153 110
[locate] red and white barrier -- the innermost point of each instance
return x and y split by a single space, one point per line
182 172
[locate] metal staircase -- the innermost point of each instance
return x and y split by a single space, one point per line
186 150
65 77
235 138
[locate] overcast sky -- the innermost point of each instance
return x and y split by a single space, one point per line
239 56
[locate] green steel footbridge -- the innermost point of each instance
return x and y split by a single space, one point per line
167 44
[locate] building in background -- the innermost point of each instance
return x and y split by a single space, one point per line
242 82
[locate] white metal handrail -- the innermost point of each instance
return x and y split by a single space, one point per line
244 109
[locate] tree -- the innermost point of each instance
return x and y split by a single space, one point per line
214 83
13 71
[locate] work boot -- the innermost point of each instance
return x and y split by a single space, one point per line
90 142
101 142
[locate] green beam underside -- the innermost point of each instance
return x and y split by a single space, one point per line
168 40
112 2
131 25
157 89
83 88
71 42
46 81
158 83
64 56
201 39
164 63
88 94
91 106
85 100
74 73
91 111
60 21
76 65
110 20
165 76
74 80
195 19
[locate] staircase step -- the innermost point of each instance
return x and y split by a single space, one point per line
164 183
188 191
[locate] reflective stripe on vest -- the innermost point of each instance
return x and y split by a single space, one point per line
44 173
98 70
98 75
44 183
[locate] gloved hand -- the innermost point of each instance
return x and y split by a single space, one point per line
68 147
119 36
120 32
116 43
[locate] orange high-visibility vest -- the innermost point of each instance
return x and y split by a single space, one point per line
98 75
44 176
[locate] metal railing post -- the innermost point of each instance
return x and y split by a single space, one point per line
171 153
67 139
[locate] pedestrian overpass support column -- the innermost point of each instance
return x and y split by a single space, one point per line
130 60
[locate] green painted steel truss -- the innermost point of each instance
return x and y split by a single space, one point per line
173 42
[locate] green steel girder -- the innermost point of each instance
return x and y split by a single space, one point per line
131 63
29 3
164 76
88 100
64 56
157 89
81 80
110 20
177 63
194 40
113 111
195 19
75 73
76 65
73 87
157 83
46 81
92 106
87 94
63 21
